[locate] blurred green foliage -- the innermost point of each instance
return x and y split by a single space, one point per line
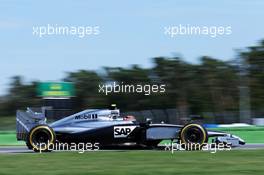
212 85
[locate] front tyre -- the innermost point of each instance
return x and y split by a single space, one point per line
193 137
40 138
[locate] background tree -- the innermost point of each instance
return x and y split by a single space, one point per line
86 84
253 58
210 86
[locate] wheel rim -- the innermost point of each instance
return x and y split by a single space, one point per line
194 135
41 138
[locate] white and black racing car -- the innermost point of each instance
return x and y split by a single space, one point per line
106 127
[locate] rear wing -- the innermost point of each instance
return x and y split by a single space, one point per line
25 120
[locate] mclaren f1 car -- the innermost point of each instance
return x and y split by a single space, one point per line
106 127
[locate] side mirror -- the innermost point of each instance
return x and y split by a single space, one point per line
113 107
148 120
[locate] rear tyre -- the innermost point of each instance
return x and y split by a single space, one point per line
41 138
193 137
28 145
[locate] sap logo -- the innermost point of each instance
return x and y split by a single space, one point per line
123 131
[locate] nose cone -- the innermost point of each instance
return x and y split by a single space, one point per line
240 141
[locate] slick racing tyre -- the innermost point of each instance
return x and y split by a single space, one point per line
40 138
193 137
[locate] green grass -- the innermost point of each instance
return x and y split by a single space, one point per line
248 128
9 138
7 131
134 162
251 134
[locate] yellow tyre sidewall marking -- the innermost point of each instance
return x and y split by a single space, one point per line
196 125
40 127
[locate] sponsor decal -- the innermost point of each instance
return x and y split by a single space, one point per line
86 116
123 131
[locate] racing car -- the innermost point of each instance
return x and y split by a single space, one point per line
108 128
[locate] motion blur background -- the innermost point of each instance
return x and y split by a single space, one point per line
219 79
216 80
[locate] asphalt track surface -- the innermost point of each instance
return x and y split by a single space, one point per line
23 149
